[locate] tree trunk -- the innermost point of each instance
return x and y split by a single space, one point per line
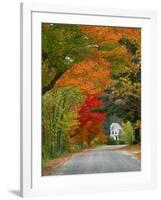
89 141
51 84
54 144
60 140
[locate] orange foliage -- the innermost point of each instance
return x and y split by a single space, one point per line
102 137
102 33
91 75
89 133
85 135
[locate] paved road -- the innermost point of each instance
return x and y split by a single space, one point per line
99 160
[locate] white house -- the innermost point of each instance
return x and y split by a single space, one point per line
115 131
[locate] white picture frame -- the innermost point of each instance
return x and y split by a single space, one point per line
32 183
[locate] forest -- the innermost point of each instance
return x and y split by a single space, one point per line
91 77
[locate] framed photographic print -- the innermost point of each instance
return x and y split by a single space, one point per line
87 99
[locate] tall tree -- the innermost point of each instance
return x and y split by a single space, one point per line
95 69
59 115
127 133
62 46
90 121
123 95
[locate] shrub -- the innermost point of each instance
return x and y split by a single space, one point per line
111 141
85 145
74 148
107 46
121 142
127 132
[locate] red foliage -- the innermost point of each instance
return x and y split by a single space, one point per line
90 121
86 116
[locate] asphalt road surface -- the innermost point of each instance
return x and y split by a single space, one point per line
99 160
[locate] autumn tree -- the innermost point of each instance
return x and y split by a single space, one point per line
90 75
118 46
102 34
123 96
59 116
62 46
90 121
95 69
127 133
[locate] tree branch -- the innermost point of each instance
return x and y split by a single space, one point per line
51 84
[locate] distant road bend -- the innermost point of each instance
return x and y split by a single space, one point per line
99 160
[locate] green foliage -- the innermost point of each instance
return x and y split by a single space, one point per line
134 48
131 45
123 96
111 141
107 46
108 121
121 142
127 132
58 117
96 141
59 41
116 61
118 65
62 46
123 99
137 136
65 45
85 145
74 148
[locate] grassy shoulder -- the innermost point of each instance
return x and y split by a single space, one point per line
51 165
134 150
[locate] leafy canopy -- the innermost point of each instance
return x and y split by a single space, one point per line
63 45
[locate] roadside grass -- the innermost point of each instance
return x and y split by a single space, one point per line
51 165
134 150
